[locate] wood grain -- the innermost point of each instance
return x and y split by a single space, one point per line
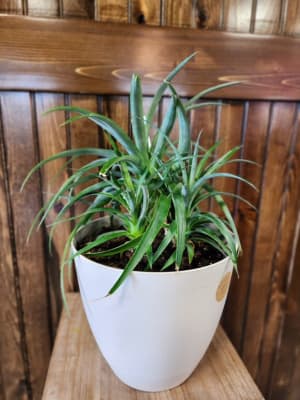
78 8
49 8
78 371
21 156
111 10
271 203
53 139
145 12
292 22
230 135
282 260
181 13
274 75
117 108
83 133
254 149
12 345
284 299
204 119
270 65
285 383
237 15
267 17
11 7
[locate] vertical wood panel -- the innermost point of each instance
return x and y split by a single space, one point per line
117 108
20 147
83 134
267 231
179 13
11 7
230 135
53 139
267 17
111 10
47 8
281 262
253 149
237 15
292 22
78 8
204 119
285 381
145 12
285 384
12 345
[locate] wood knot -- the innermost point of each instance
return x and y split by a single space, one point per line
58 207
141 19
202 18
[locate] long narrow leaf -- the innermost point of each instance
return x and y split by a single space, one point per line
68 153
146 240
180 212
166 127
201 105
99 240
105 123
163 87
137 115
210 90
184 143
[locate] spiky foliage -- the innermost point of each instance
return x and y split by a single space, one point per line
151 185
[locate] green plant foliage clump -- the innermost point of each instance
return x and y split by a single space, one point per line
150 182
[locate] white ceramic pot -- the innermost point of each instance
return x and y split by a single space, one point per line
156 327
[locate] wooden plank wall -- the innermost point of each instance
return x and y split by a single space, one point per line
262 316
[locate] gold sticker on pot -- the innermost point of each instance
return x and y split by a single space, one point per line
223 287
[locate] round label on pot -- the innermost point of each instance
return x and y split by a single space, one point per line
223 287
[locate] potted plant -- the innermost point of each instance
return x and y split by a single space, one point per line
153 271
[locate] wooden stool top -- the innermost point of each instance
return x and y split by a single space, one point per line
78 371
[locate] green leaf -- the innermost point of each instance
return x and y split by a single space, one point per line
137 115
207 177
194 162
180 217
221 161
195 201
163 87
69 153
160 215
105 123
169 262
117 160
212 235
170 233
205 92
191 251
184 143
219 200
165 129
204 104
205 158
99 240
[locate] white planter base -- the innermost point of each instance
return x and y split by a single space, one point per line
156 328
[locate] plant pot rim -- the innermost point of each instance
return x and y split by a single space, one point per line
150 273
154 273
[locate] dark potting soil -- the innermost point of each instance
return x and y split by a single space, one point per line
205 254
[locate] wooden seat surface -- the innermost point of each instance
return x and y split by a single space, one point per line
78 371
